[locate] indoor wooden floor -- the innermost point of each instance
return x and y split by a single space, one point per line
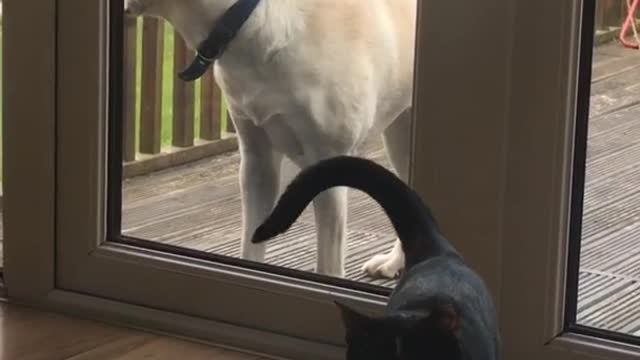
29 334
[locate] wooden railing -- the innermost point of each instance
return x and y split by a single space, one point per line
610 14
166 121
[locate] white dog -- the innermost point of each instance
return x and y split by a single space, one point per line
309 80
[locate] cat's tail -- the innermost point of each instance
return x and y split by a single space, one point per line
412 220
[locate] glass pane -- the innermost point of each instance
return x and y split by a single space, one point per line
609 270
181 188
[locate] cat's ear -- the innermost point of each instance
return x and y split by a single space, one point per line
436 331
448 318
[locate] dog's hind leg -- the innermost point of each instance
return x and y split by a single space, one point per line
330 210
259 183
398 146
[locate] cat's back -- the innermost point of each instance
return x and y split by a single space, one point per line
449 279
448 276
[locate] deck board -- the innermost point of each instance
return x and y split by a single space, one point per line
198 205
201 211
609 286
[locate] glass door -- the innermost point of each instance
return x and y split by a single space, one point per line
603 253
571 213
125 204
152 171
197 181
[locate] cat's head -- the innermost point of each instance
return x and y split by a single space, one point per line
406 336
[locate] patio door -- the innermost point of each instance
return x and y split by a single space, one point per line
156 245
147 218
524 143
570 254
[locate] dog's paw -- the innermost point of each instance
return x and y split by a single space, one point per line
387 266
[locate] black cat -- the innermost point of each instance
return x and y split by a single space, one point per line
440 309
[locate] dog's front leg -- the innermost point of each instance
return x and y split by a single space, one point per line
330 210
397 142
259 185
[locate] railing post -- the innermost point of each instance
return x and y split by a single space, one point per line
129 91
210 126
151 95
230 127
610 13
183 97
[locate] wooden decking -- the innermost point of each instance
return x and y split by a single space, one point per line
198 205
609 291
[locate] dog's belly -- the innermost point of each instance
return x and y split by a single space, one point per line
283 137
307 128
300 122
301 137
311 108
